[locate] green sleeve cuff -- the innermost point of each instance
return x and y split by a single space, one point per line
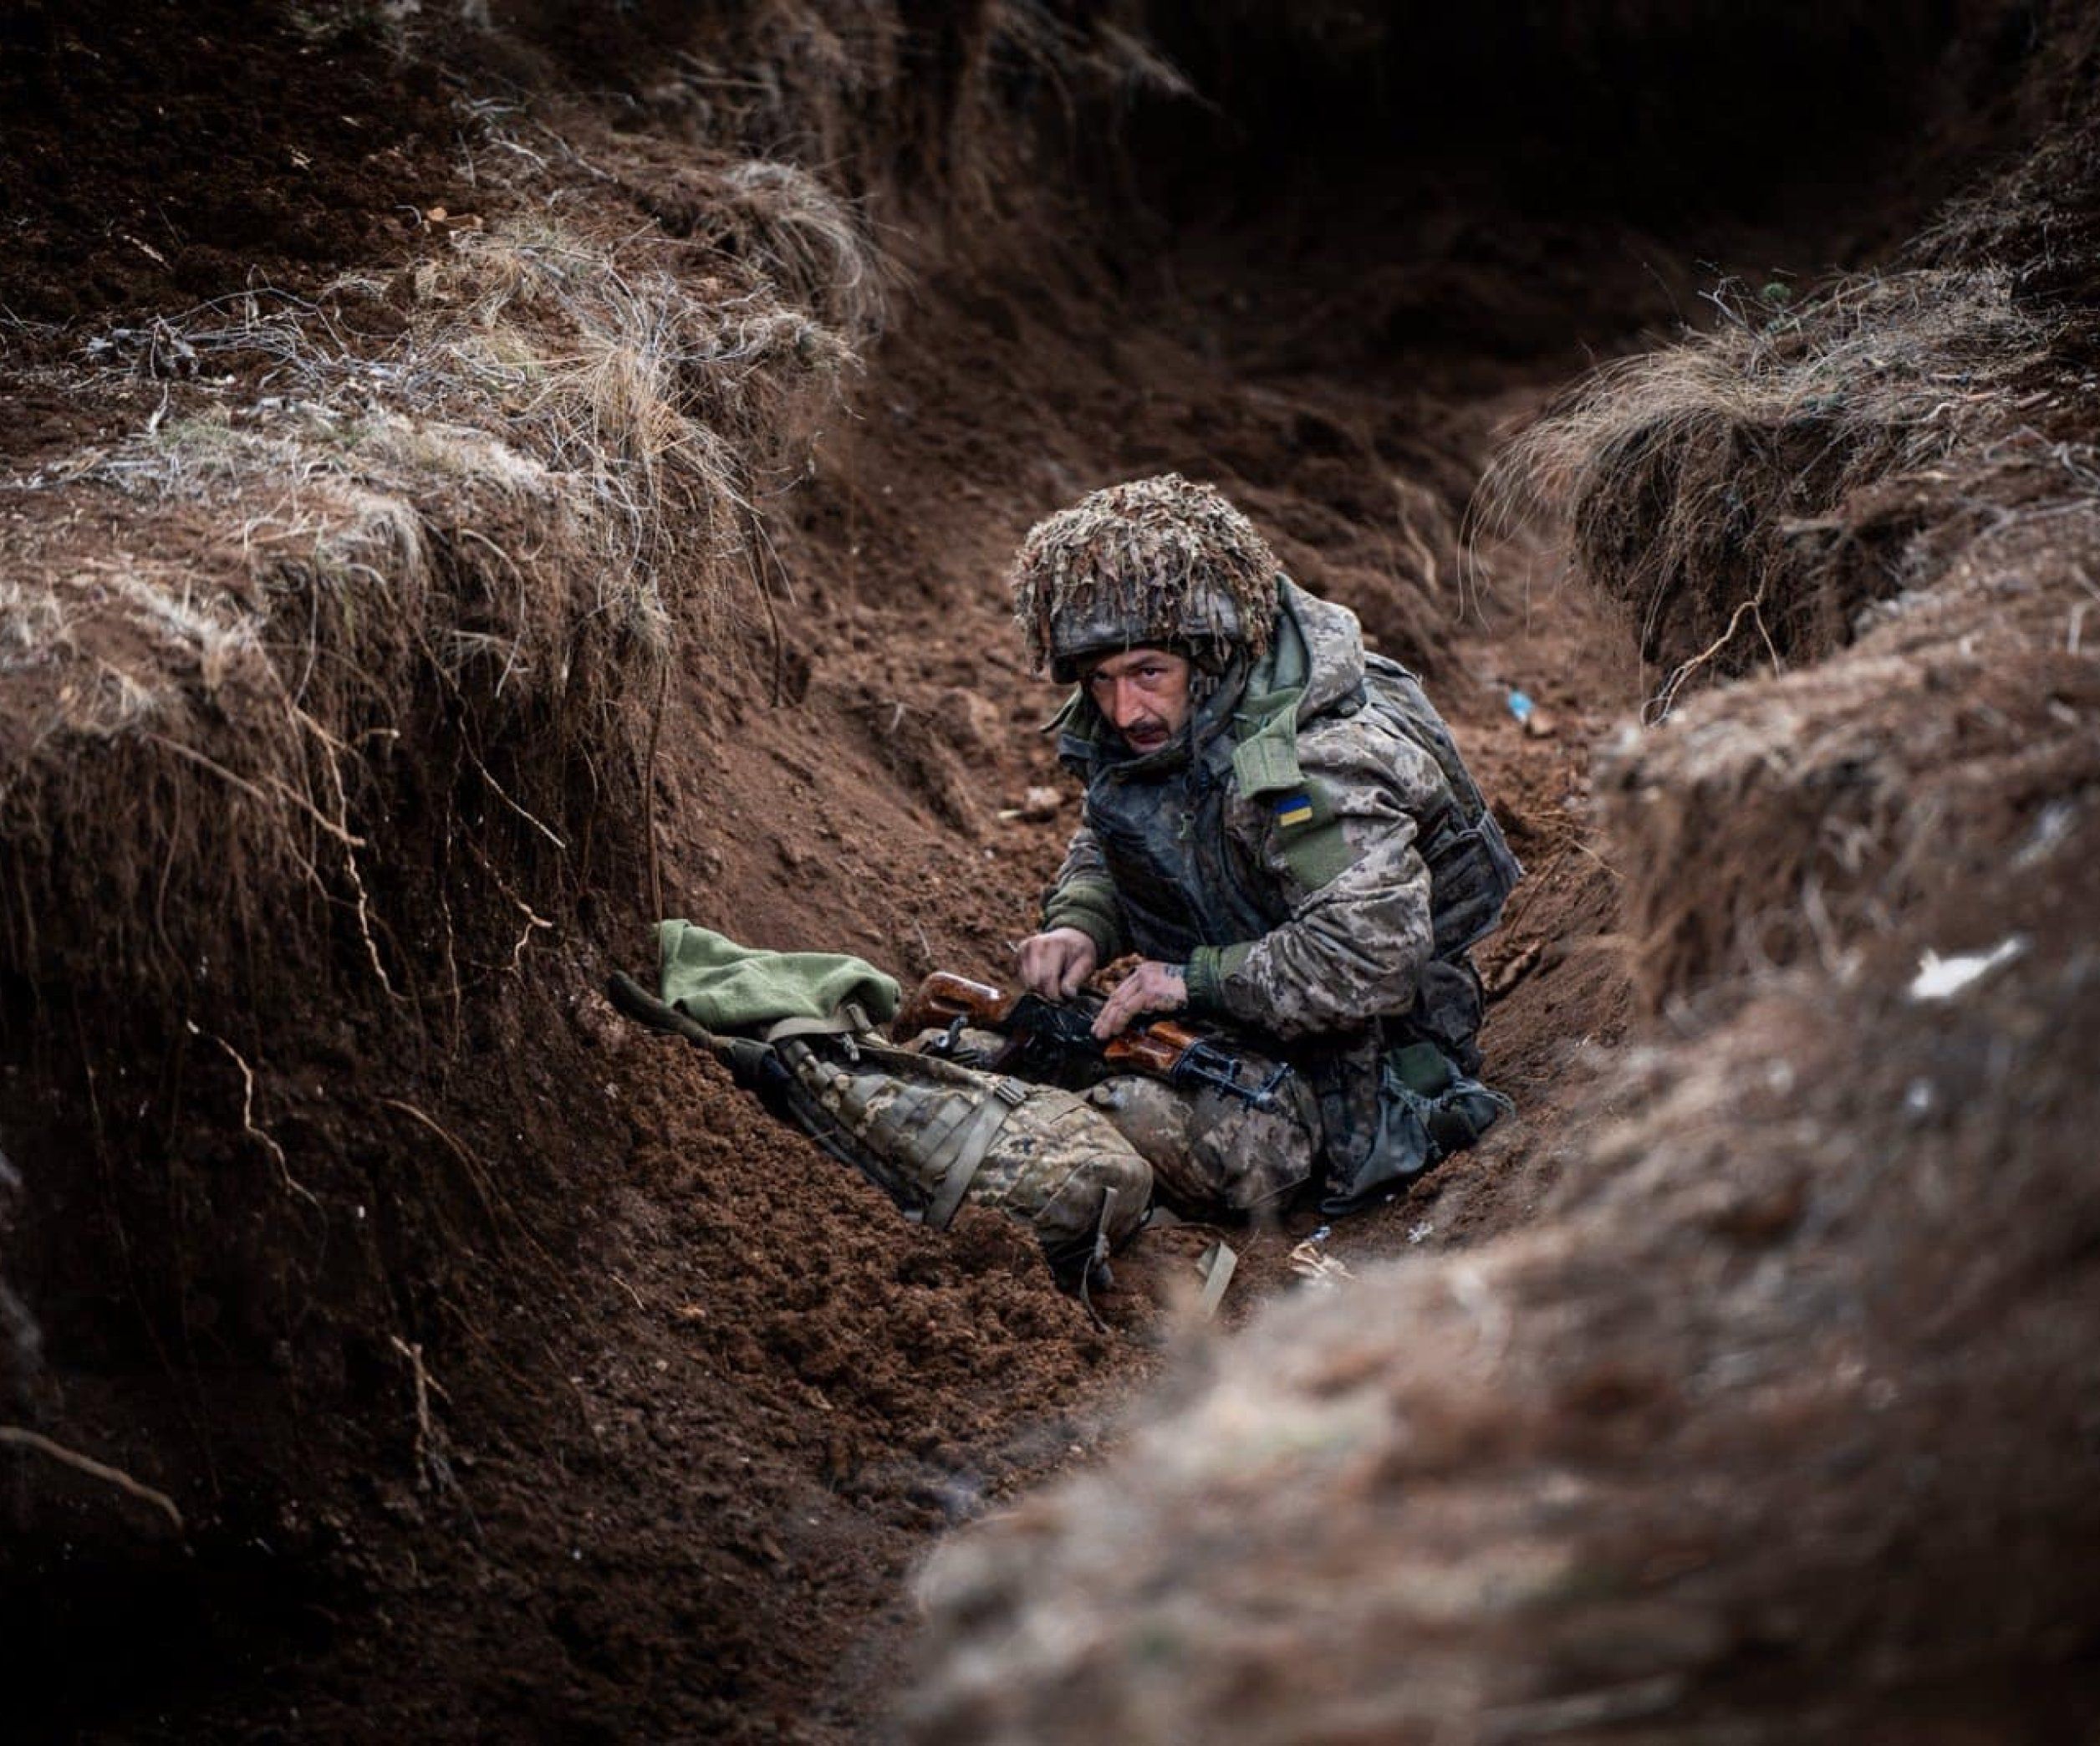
1090 906
1205 973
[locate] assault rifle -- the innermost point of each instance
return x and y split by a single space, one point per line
1051 1035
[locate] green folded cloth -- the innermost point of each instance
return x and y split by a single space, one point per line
730 988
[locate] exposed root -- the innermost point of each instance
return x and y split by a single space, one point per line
1659 707
494 1205
261 1137
16 1436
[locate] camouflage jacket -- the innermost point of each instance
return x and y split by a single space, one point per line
1273 851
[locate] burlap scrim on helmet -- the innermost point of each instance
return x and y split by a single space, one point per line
1159 560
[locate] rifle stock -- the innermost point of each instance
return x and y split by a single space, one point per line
945 997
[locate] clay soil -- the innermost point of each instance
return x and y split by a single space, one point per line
649 1445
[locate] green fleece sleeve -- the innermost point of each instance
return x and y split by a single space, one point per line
1083 897
1089 905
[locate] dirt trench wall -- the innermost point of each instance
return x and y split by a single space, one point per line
1676 108
338 613
1771 1430
1777 1439
343 610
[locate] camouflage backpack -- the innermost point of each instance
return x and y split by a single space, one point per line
1472 871
933 1135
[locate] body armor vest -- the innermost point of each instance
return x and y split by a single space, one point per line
1184 881
1180 877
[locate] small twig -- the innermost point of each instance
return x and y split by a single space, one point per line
503 794
1665 700
248 788
468 1161
433 1471
22 1438
483 1187
525 938
762 549
1585 848
330 747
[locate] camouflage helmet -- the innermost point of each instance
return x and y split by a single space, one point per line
1159 561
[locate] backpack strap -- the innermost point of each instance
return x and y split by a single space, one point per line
849 1020
956 1158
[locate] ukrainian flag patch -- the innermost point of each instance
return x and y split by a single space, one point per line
1294 809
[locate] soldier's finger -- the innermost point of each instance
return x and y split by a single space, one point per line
1041 963
1112 1017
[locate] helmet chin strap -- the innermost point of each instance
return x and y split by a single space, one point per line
1215 686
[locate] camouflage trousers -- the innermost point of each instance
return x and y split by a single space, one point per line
1363 1115
1364 1119
1212 1153
936 1136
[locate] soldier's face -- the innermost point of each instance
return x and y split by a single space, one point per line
1143 694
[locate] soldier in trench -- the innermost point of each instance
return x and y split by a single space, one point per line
1277 825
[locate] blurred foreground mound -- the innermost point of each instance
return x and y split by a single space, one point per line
1780 1426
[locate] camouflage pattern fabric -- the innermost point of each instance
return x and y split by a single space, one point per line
1163 559
1209 1151
1061 1167
1051 1160
1300 955
1274 851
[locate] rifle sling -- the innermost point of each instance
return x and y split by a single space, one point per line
629 997
851 1019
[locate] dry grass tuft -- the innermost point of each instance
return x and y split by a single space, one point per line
887 102
481 540
1706 485
779 220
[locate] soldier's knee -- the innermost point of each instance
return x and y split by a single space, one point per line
1211 1151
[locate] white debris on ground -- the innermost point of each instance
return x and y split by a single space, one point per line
1940 978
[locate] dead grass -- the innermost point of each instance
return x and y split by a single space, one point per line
1707 485
880 99
496 526
1827 817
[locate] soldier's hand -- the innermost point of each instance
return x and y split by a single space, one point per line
1054 964
1151 988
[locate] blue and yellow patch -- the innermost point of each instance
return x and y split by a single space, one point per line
1294 809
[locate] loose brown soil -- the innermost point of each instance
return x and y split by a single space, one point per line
515 1376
